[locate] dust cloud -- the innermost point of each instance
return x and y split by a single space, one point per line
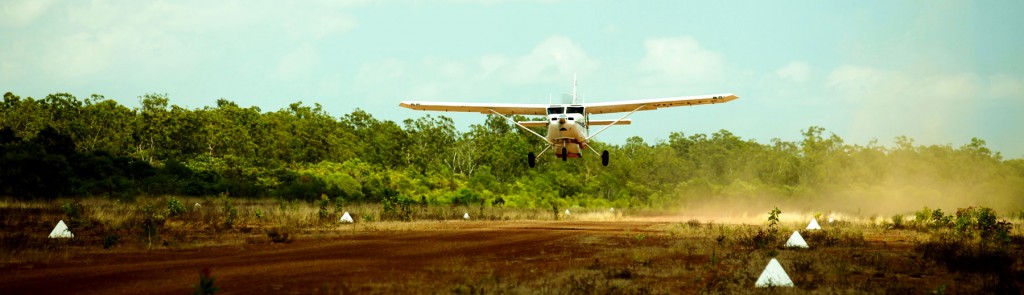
904 189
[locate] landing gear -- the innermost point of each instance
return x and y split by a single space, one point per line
604 158
565 154
532 159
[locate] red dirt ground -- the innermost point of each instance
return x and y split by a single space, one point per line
420 260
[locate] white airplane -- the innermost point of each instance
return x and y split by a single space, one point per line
569 124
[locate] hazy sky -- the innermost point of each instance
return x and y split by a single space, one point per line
940 72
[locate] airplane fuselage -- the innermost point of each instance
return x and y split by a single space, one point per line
567 129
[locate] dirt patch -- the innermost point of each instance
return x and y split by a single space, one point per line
444 254
624 256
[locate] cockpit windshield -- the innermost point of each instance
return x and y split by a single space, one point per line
565 110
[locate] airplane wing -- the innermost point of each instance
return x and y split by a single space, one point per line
533 123
652 104
609 122
483 108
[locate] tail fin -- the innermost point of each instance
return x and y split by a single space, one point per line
574 89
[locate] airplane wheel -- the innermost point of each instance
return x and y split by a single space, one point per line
532 159
604 158
565 154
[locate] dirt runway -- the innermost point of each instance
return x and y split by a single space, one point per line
427 257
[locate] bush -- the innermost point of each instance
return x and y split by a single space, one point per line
959 255
339 204
323 203
962 252
229 211
74 211
773 221
761 239
205 285
923 217
279 236
835 237
396 207
962 225
152 222
897 221
175 207
110 241
939 220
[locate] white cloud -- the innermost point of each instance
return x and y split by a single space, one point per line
553 60
928 106
681 59
18 13
868 84
298 63
175 38
1006 86
796 71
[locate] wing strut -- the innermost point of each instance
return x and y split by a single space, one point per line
521 126
544 150
613 122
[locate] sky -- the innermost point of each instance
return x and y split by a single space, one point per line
940 72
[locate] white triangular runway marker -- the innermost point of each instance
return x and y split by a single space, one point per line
773 275
566 211
345 218
61 231
813 224
796 241
465 216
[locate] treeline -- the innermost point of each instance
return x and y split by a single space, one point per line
60 146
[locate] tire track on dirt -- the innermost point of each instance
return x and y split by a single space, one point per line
375 256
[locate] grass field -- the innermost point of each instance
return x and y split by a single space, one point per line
153 246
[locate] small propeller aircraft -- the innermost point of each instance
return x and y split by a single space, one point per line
569 124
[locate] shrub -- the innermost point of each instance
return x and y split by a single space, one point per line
229 211
497 202
897 221
110 241
339 204
175 207
940 220
205 285
922 218
259 214
323 203
958 255
74 211
396 207
835 237
152 222
279 236
760 239
963 223
773 221
962 252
